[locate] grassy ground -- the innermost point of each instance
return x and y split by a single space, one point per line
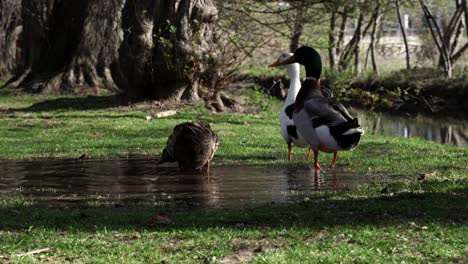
405 220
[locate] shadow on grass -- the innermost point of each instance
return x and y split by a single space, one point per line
317 213
78 103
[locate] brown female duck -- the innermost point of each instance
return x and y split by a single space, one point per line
192 145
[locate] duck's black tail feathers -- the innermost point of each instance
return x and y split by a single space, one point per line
347 134
353 127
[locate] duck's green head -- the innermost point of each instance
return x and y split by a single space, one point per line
308 57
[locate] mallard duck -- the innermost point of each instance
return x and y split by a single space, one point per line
324 123
192 145
288 129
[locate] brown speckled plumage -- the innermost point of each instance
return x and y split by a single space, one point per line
191 144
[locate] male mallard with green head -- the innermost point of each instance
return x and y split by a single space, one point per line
323 122
192 145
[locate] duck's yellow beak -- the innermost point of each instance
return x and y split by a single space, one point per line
278 63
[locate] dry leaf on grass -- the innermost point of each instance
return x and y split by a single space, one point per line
160 218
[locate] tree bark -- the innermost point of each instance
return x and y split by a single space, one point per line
375 19
298 26
438 39
332 41
357 68
403 33
341 34
69 46
159 49
10 29
350 48
452 32
168 48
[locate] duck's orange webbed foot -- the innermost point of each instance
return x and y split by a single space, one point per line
335 157
316 164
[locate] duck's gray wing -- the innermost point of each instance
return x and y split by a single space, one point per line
326 111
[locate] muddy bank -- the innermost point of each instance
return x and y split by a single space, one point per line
401 93
439 99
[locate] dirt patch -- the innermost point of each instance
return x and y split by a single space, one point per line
241 256
245 249
171 245
128 239
309 239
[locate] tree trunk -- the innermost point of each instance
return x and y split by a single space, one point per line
453 31
298 26
465 12
168 48
136 51
350 48
70 46
403 33
10 29
357 67
438 39
341 34
158 49
375 19
332 41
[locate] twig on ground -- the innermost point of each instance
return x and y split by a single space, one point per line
37 251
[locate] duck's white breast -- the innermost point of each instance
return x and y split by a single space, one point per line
326 141
304 127
285 121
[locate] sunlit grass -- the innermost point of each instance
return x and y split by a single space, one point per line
402 219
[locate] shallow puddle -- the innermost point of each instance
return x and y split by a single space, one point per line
121 181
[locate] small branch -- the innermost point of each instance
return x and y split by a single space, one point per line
459 53
428 104
37 251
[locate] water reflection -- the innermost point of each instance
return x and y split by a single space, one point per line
125 181
441 132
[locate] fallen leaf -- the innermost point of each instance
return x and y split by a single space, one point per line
165 113
160 218
426 176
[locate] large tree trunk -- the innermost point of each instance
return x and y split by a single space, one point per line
10 29
69 46
168 48
157 49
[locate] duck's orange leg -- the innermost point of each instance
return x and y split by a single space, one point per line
289 151
335 157
316 164
308 153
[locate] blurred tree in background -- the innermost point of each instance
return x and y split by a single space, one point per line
192 49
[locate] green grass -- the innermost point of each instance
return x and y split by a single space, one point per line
400 220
